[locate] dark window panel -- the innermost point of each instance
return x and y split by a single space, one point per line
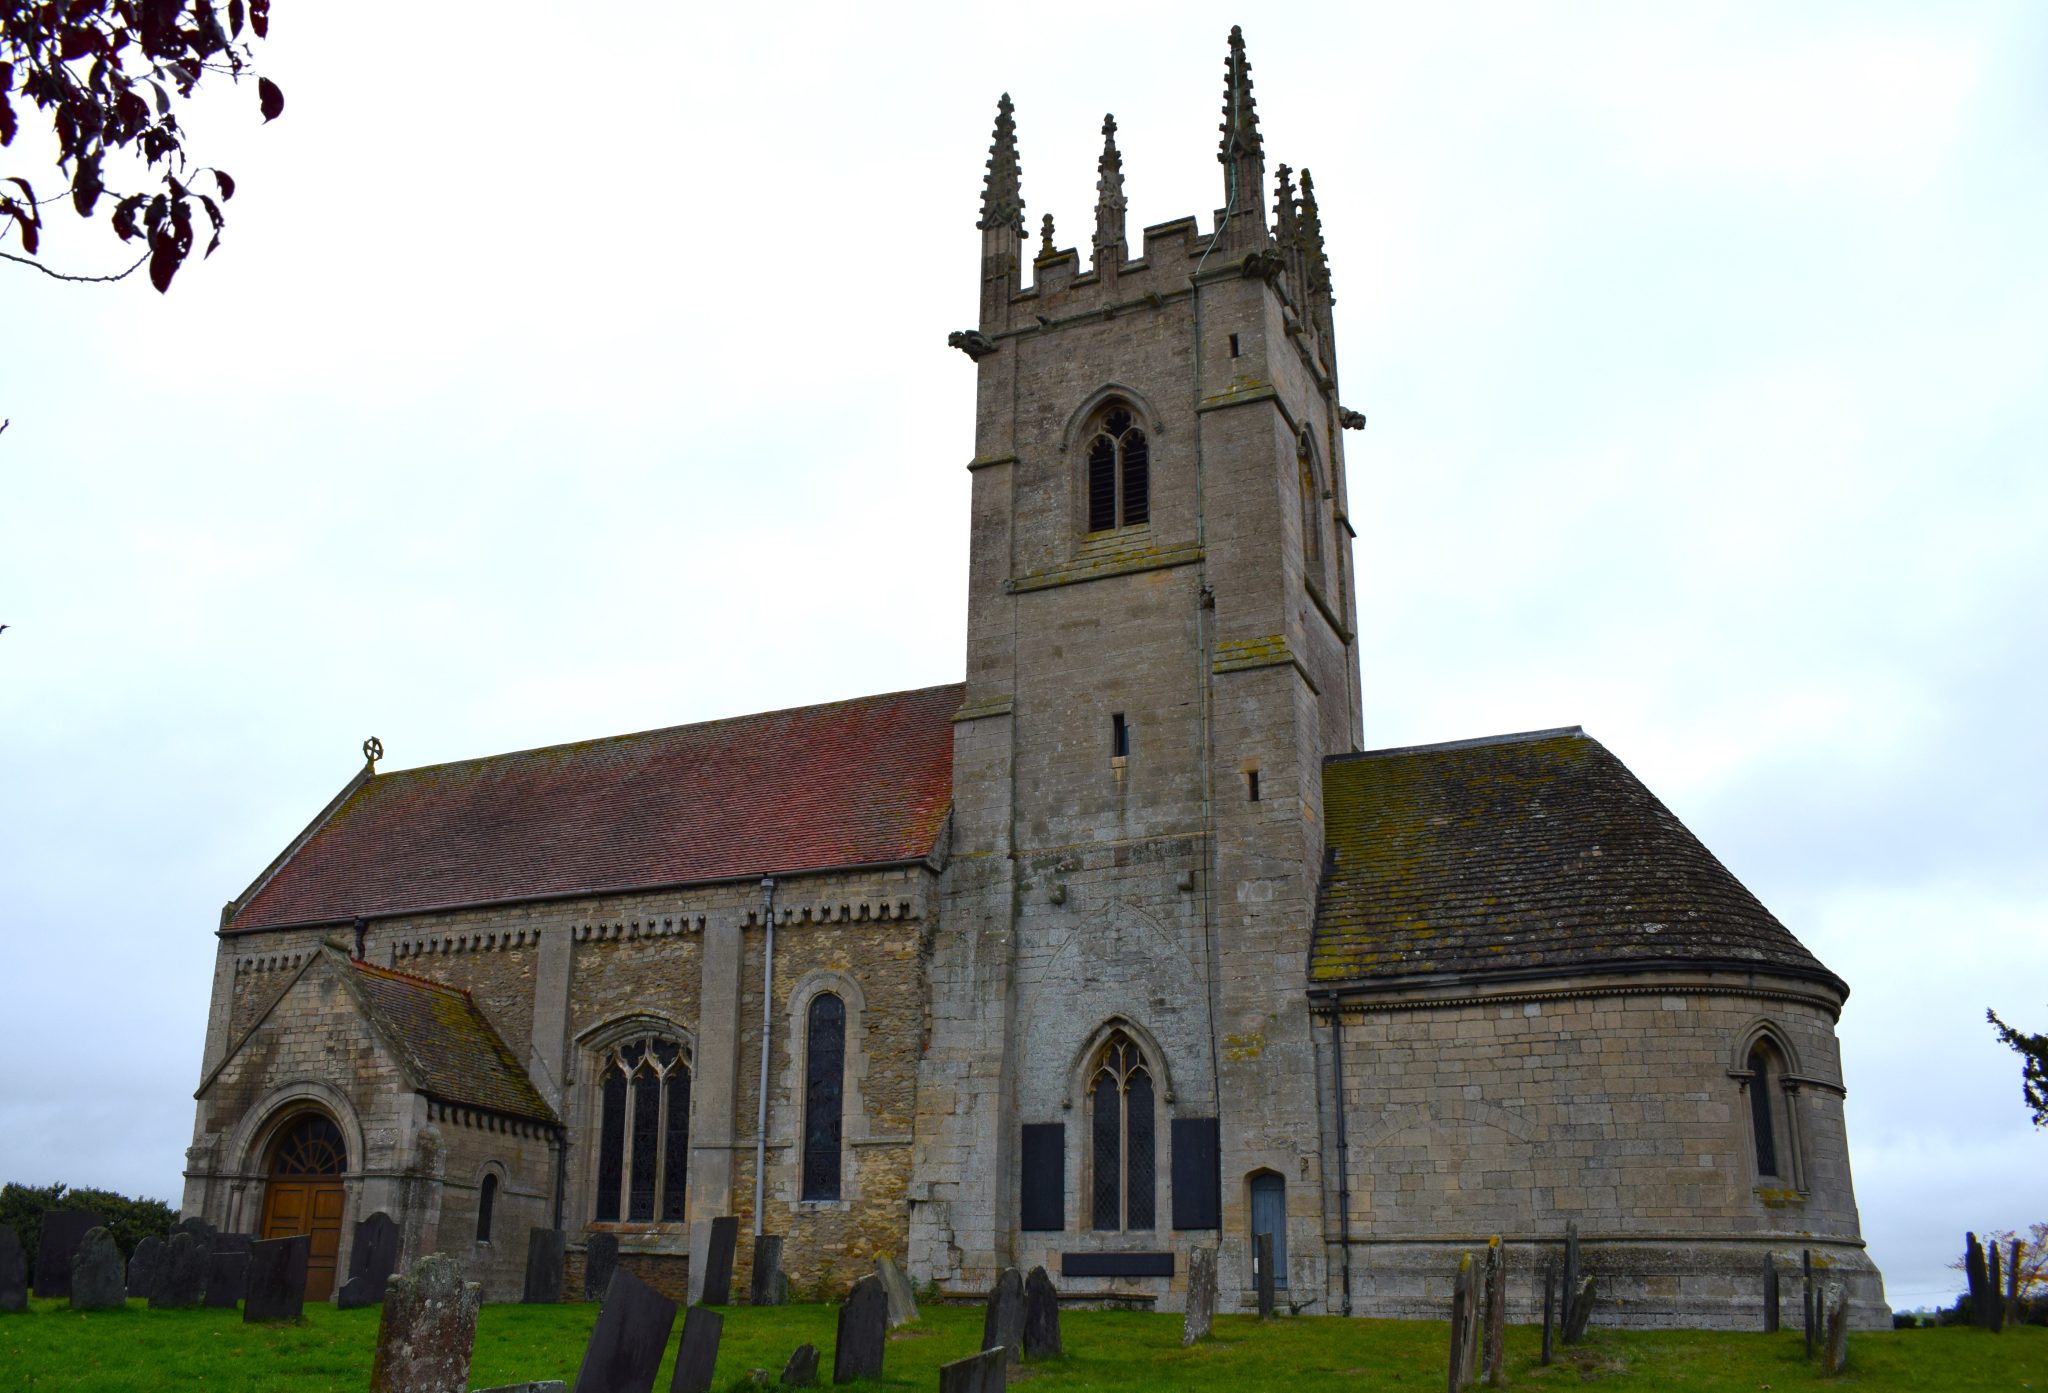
1043 1185
824 1101
1142 1172
611 1147
1197 1178
675 1153
646 1144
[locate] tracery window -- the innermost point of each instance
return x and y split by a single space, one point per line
1123 1154
312 1145
1119 472
643 1146
824 1095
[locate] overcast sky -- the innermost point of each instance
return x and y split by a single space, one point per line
565 373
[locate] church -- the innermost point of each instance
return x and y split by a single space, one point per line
1121 947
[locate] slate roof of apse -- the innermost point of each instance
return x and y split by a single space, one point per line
448 1046
849 783
1519 853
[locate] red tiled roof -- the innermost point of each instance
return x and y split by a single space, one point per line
845 784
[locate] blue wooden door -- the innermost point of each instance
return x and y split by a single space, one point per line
1269 1215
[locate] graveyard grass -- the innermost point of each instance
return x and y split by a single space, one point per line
52 1348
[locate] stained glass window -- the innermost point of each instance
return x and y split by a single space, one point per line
1124 1153
643 1141
824 1096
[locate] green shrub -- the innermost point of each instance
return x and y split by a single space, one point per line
130 1220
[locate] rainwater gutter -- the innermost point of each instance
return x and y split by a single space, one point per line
767 1026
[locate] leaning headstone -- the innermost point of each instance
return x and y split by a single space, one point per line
1262 1272
626 1346
277 1278
1578 1311
372 1258
1549 1307
1200 1313
427 1329
802 1369
227 1273
1834 1350
184 1274
145 1268
1002 1323
1770 1295
725 1239
1041 1317
896 1286
863 1332
13 1272
770 1285
1496 1312
987 1372
99 1279
600 1260
544 1252
1994 1291
62 1230
698 1356
1464 1325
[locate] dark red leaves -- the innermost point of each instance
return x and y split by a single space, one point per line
272 99
124 216
227 185
235 18
259 17
86 187
163 260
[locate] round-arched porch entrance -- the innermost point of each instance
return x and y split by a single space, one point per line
303 1193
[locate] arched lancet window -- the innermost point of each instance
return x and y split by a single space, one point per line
1119 471
1767 1112
486 1205
643 1145
824 1095
1123 1156
1311 511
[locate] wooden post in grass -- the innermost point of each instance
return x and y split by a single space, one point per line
1770 1294
1806 1295
1464 1325
1549 1304
1496 1310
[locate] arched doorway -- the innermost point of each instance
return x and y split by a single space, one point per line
1269 1215
304 1195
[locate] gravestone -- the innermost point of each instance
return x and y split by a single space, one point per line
1464 1325
987 1372
427 1329
277 1278
863 1332
1770 1295
227 1272
896 1286
1578 1310
718 1256
1496 1312
1806 1309
372 1258
544 1252
600 1260
802 1369
552 1385
145 1268
1200 1312
2013 1312
626 1346
1571 1268
62 1230
184 1273
1262 1272
99 1279
13 1272
1994 1289
1002 1323
770 1286
1549 1307
1041 1317
1834 1352
698 1356
204 1232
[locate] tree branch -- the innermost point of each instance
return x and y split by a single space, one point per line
59 275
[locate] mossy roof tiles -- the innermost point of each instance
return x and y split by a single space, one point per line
850 783
1537 852
450 1049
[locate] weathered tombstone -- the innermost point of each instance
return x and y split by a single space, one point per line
372 1258
1770 1295
1262 1272
1464 1322
1834 1354
200 1230
1994 1291
987 1372
1496 1311
698 1356
13 1273
863 1332
552 1385
1200 1314
99 1279
184 1274
770 1285
227 1272
896 1286
802 1369
277 1278
427 1329
1041 1317
626 1346
1002 1323
145 1268
600 1260
62 1230
1571 1266
545 1249
2013 1313
1549 1306
725 1239
1578 1309
1806 1294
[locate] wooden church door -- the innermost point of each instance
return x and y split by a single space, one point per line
1269 1215
304 1195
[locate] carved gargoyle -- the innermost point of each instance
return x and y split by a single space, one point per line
972 342
1349 419
1265 266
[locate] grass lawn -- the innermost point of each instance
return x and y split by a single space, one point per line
51 1348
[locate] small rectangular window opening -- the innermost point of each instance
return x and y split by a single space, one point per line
1119 736
1251 784
1233 346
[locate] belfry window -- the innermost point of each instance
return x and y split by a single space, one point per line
1119 472
1311 512
824 1095
643 1144
1123 1156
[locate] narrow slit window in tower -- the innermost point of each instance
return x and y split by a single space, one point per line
1119 736
1251 784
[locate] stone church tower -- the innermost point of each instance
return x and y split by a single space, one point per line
1161 652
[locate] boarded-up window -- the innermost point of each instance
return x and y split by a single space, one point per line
1043 1186
1197 1177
